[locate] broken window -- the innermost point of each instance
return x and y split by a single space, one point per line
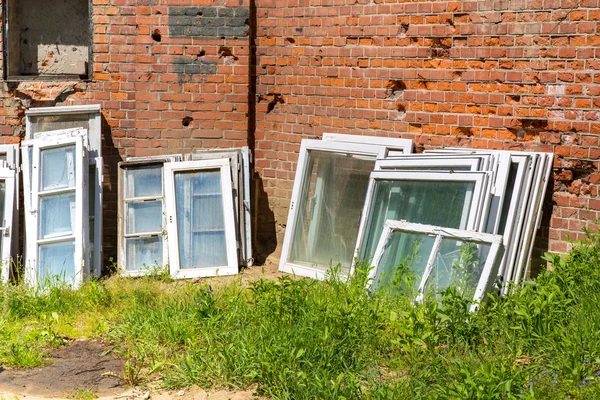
8 231
142 224
56 217
426 260
48 121
47 39
200 218
453 200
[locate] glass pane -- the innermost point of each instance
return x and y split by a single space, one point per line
457 264
143 253
200 219
143 181
57 168
329 208
56 262
404 261
2 202
511 187
440 203
56 122
144 217
57 215
3 157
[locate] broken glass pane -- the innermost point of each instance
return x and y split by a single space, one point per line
329 209
440 202
200 219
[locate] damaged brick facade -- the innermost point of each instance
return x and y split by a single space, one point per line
174 75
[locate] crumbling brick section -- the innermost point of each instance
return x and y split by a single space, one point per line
499 74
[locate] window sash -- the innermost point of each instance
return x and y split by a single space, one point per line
232 263
396 145
367 151
80 232
122 234
489 271
473 213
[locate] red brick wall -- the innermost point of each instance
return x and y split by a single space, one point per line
518 74
494 74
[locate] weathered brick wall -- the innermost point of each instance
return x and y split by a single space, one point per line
170 75
494 74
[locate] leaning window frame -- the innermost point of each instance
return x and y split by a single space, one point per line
240 167
307 145
9 237
7 57
490 268
77 137
94 144
170 169
13 158
479 202
122 215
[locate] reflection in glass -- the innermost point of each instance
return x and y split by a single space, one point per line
145 181
329 208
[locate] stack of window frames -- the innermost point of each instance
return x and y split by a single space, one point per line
509 203
55 167
193 215
329 192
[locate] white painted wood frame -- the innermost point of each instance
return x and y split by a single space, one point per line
170 170
80 233
9 176
392 145
473 207
369 152
490 268
133 162
423 162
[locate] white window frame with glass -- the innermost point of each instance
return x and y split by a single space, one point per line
13 159
125 200
96 165
7 230
473 210
368 151
171 170
240 169
489 272
79 236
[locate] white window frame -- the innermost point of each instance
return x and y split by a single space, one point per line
170 169
8 175
240 167
134 162
81 231
419 162
480 196
14 162
399 145
94 145
307 145
490 268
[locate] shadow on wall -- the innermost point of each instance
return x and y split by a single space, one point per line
265 234
110 193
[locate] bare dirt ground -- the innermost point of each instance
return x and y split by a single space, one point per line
86 365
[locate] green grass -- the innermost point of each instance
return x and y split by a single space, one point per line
304 339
